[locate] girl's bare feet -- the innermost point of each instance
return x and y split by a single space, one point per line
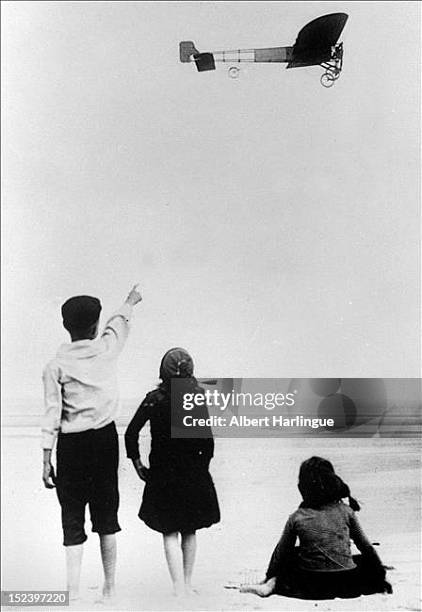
178 589
108 596
190 591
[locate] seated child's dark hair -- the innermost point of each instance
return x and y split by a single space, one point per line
320 485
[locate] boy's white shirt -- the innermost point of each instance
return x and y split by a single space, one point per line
80 384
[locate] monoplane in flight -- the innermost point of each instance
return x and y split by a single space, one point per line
316 45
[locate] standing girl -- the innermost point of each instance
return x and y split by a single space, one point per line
179 495
322 566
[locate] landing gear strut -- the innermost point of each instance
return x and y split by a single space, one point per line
333 66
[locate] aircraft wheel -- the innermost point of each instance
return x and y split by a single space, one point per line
327 79
234 72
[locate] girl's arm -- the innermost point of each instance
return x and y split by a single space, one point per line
362 543
357 534
371 561
282 554
206 445
207 450
141 416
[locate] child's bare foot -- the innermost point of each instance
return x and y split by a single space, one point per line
79 603
178 589
263 590
74 600
108 595
74 597
189 590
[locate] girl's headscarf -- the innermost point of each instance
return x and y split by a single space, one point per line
176 363
320 485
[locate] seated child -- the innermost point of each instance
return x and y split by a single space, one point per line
322 566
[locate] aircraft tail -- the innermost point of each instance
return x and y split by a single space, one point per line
187 49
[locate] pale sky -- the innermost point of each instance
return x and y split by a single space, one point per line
273 224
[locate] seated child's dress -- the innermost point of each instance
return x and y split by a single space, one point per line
322 566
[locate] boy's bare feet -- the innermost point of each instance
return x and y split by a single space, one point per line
108 591
74 598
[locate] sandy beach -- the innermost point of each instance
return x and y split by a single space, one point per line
384 474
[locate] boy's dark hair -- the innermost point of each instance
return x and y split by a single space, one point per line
320 485
80 313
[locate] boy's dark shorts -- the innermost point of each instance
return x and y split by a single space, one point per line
87 465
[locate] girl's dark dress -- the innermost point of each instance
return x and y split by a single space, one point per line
179 494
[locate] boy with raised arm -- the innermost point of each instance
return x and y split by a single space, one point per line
81 402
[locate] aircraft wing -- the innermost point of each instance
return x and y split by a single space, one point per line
314 41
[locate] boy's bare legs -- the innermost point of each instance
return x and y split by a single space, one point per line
73 569
189 551
264 589
108 548
172 552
